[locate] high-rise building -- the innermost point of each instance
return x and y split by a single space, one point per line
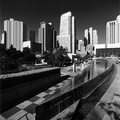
91 36
31 35
113 31
67 33
54 39
118 27
15 33
46 36
95 37
86 34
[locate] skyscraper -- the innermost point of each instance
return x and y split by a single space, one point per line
67 33
46 36
54 39
15 33
113 31
95 37
31 35
118 27
91 36
86 33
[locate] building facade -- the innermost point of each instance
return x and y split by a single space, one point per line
118 27
86 35
54 38
3 41
91 36
67 33
107 50
95 37
111 37
46 36
81 46
113 31
33 46
31 35
15 33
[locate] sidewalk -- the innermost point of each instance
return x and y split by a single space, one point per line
109 103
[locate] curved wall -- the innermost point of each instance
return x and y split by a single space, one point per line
58 104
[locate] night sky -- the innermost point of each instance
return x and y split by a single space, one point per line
88 13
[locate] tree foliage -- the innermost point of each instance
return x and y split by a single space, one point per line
57 56
8 65
11 59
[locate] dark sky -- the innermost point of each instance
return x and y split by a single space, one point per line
88 13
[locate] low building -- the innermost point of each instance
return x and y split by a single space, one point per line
33 46
107 50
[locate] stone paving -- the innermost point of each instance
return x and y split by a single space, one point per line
26 109
108 108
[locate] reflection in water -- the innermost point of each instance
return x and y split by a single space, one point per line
93 69
86 104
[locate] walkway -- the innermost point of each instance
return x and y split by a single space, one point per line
110 102
26 109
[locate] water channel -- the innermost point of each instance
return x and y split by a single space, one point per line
91 70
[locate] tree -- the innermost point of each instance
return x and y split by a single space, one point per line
8 65
13 53
30 58
26 51
60 56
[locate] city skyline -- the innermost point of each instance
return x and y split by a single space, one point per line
88 14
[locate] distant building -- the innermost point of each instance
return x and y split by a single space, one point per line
31 35
3 41
67 33
81 45
95 37
118 27
113 31
86 35
46 36
107 50
15 33
91 36
54 38
111 37
33 46
81 48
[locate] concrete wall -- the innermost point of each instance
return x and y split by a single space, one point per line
58 104
13 92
